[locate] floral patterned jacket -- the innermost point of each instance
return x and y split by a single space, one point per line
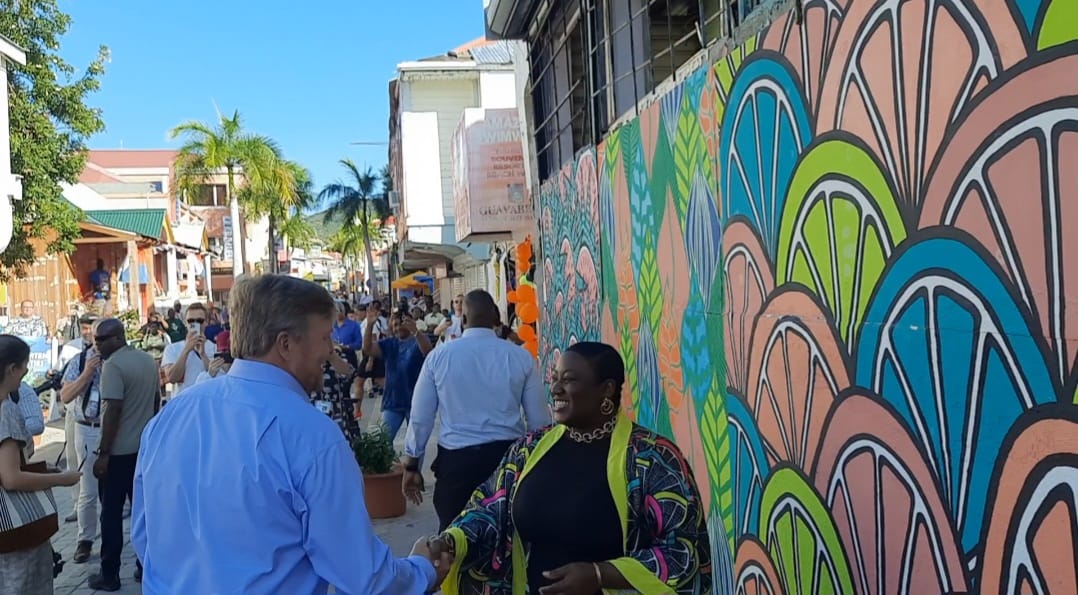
662 518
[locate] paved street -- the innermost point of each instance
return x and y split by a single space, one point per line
399 533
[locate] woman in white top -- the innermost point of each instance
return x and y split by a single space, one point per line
25 551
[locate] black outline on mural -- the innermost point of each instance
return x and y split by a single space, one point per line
859 391
971 242
911 199
782 62
748 321
842 135
1050 411
1029 63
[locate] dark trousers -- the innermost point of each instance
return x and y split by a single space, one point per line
114 489
457 473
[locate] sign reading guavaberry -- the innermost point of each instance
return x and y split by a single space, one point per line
489 190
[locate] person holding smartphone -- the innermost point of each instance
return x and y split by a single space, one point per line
183 362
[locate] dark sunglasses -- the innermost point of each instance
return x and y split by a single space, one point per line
103 338
195 320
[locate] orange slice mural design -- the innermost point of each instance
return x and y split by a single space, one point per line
1031 543
902 72
798 367
1016 191
892 522
749 280
754 574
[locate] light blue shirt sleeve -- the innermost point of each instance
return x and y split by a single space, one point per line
30 406
533 400
339 539
424 410
138 511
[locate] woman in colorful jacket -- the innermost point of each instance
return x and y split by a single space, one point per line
594 503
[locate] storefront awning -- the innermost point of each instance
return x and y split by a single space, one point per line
143 275
424 256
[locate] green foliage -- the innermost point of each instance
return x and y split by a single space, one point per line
50 123
322 226
358 202
132 325
374 451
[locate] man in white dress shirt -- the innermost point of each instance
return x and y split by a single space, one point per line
487 393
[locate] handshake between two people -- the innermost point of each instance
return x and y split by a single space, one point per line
439 550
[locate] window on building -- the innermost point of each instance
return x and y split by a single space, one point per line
593 61
208 195
674 35
597 42
217 246
560 89
630 47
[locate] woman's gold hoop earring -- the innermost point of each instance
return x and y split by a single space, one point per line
606 407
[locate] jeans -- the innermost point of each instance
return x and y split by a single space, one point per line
393 421
86 441
115 488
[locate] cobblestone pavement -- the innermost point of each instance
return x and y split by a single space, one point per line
399 533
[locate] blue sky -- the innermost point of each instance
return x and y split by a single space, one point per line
312 75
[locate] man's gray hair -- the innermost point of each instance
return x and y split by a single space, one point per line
264 306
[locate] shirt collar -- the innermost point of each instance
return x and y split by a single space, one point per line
479 332
245 369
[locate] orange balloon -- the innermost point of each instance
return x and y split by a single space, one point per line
528 313
532 347
524 251
512 297
526 332
523 267
526 293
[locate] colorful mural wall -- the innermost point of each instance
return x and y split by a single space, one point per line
835 262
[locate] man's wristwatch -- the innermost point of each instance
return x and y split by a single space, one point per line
100 452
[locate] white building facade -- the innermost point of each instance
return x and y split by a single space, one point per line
429 99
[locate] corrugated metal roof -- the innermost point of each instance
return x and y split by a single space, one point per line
499 52
145 222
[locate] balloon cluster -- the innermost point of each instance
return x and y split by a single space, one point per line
526 299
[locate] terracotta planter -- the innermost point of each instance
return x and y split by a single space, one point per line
383 496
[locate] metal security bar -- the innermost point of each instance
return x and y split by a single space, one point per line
593 61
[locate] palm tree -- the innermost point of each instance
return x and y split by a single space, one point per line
283 211
226 146
356 203
349 241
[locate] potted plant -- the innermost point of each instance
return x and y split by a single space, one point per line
382 475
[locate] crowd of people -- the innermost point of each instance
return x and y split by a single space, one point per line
245 481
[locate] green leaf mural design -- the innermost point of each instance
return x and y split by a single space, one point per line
607 238
840 224
649 291
715 436
660 179
628 354
689 148
612 148
801 538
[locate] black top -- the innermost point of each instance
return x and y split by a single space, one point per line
564 512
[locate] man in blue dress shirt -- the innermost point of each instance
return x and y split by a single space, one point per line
243 487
